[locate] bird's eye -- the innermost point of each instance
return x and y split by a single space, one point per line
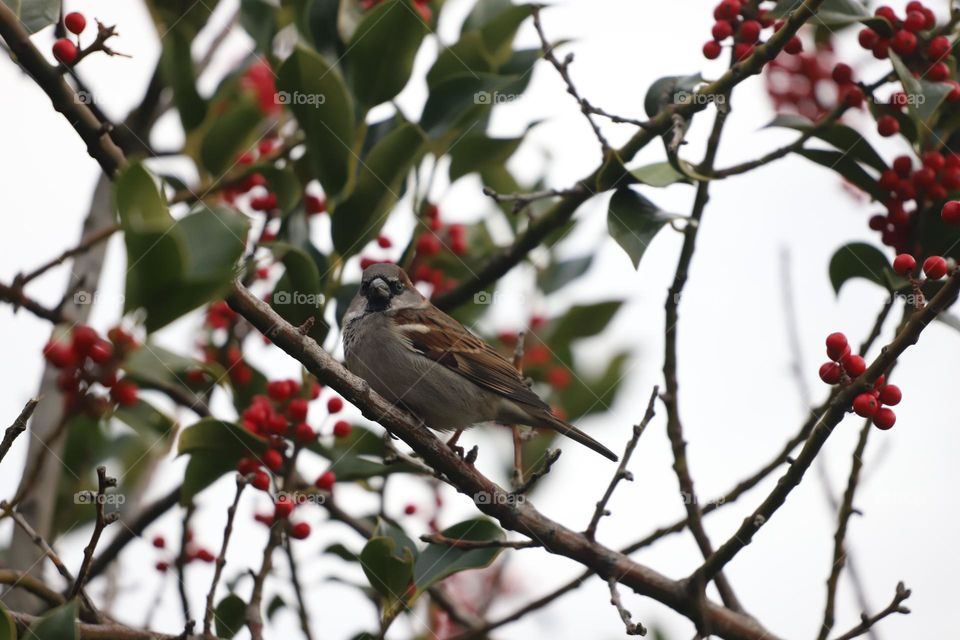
397 286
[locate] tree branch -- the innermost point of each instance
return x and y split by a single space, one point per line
867 622
19 426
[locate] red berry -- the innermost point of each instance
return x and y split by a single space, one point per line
748 32
314 204
924 177
938 72
722 30
326 480
261 480
794 46
742 50
934 160
342 429
428 244
868 38
559 377
100 351
204 555
888 126
904 264
300 531
837 346
888 180
904 43
935 267
278 390
951 212
881 50
83 338
277 425
853 364
65 51
283 508
890 395
334 405
162 566
865 405
410 509
888 14
298 410
305 433
124 393
59 354
272 459
915 21
384 242
830 372
712 50
938 48
903 165
247 466
884 418
159 542
842 73
75 22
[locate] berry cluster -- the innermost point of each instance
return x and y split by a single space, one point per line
934 267
538 361
936 177
744 22
260 80
844 366
64 49
912 39
193 552
810 84
87 362
431 244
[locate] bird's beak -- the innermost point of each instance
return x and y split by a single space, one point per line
378 290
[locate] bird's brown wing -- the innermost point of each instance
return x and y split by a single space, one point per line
437 336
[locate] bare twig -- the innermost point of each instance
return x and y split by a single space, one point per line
298 590
19 426
15 296
621 472
222 557
867 622
85 244
103 519
181 563
30 583
523 200
549 458
87 631
458 543
632 628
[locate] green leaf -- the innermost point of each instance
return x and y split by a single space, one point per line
342 552
60 623
178 70
844 138
847 167
587 395
297 295
860 260
837 13
562 272
8 628
215 447
276 604
388 568
230 134
439 561
230 616
35 14
475 152
633 221
659 175
381 52
323 28
259 19
460 101
146 420
316 94
153 366
923 96
583 321
358 219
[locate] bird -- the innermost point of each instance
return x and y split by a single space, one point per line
419 358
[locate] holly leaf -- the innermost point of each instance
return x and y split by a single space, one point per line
439 561
230 616
847 167
860 260
633 221
844 138
60 623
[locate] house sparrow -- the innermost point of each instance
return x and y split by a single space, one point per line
420 358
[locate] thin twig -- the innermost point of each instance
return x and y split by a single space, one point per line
621 472
103 519
19 426
523 200
181 563
298 590
458 543
867 622
15 296
222 557
86 243
632 628
549 458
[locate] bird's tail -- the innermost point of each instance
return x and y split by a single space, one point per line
564 428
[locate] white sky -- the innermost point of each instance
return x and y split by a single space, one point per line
738 400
